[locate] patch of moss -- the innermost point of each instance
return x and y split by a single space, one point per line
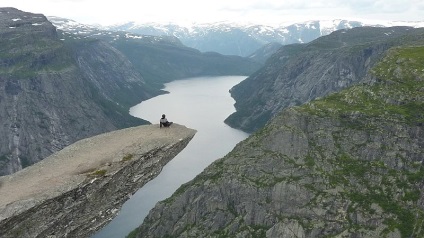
133 233
404 216
127 157
4 158
415 177
99 173
309 161
260 230
222 233
25 162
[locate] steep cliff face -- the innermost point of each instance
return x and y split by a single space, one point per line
348 165
77 190
113 80
53 94
299 73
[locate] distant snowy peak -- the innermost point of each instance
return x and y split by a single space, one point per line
76 30
222 37
415 24
245 39
323 25
70 25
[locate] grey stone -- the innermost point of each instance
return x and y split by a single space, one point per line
77 190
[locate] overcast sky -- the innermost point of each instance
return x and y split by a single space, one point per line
108 12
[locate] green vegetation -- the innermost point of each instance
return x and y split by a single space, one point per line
309 161
40 55
356 173
395 97
398 95
4 158
128 157
355 51
133 233
99 173
25 162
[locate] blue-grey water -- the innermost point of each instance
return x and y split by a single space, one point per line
198 103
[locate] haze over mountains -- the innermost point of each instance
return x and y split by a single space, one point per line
230 38
337 119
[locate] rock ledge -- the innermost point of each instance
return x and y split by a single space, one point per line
75 191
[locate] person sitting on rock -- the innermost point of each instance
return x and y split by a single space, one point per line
164 122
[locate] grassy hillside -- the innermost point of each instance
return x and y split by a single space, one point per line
300 73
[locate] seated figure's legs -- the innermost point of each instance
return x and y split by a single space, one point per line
165 124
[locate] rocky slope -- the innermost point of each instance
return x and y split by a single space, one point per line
346 165
77 190
53 93
265 52
302 72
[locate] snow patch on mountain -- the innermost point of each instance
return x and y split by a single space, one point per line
225 37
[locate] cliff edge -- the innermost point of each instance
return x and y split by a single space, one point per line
78 189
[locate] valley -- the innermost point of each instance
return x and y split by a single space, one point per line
334 109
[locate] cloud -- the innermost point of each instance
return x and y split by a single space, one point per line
365 9
61 1
262 11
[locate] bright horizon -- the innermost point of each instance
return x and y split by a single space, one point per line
270 12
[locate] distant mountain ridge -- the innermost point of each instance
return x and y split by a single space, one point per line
244 40
225 37
80 31
161 58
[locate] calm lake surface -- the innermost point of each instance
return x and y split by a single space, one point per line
198 103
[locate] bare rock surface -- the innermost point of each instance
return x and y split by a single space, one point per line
89 161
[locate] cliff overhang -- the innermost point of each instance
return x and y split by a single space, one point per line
77 190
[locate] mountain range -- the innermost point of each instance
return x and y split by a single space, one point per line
151 53
255 41
243 40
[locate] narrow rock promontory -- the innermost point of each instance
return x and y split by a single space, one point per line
75 191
